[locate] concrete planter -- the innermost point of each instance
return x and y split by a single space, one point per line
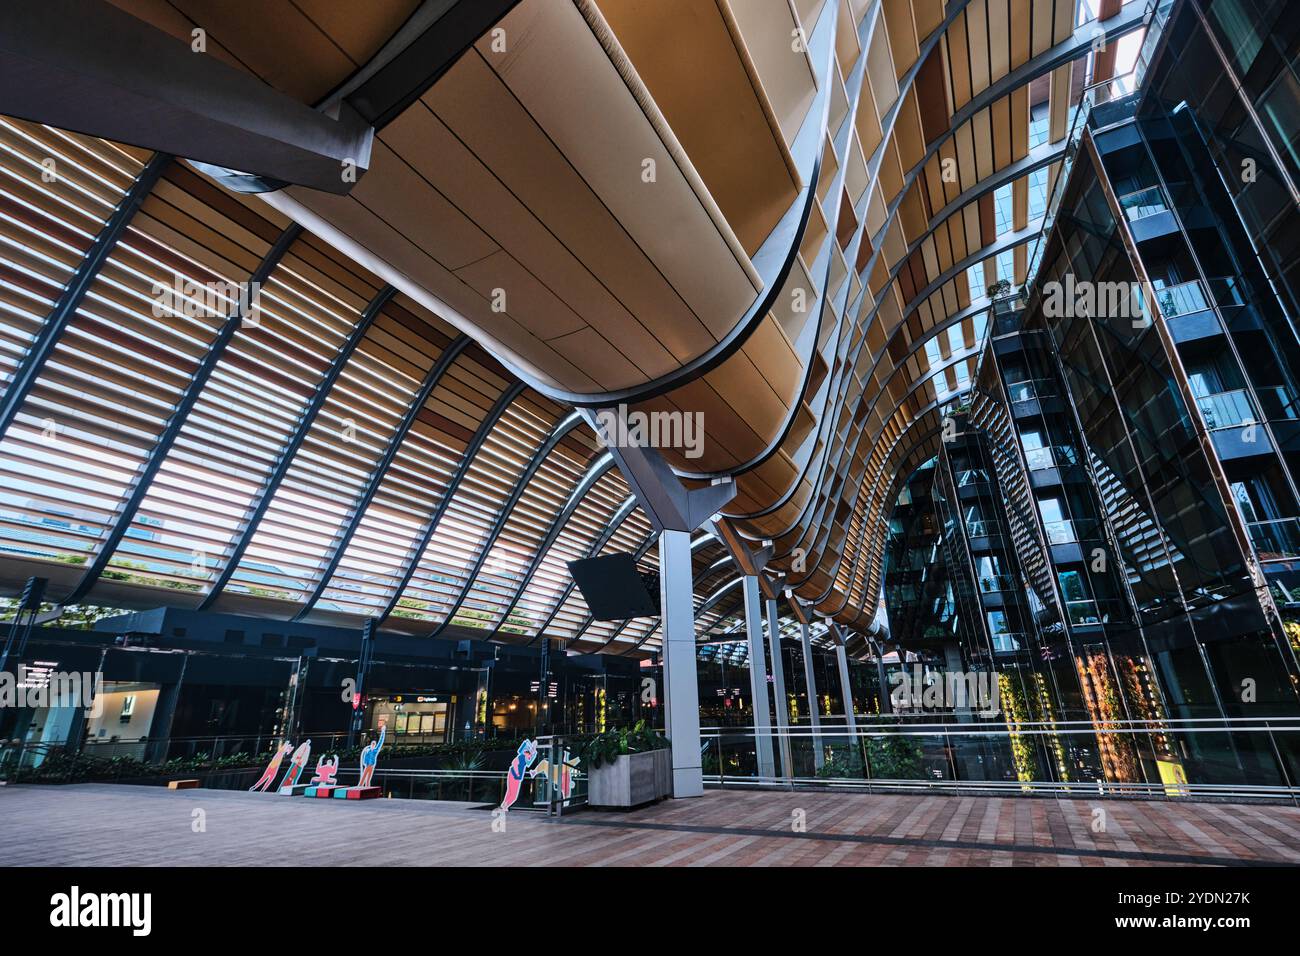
632 780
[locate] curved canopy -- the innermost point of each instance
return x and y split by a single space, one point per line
781 216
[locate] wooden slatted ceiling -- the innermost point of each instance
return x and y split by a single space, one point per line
910 446
690 54
360 414
412 488
583 529
980 146
458 540
113 379
243 419
509 556
57 191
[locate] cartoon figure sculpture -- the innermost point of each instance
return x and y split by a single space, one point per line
326 770
296 763
273 768
559 776
370 757
524 757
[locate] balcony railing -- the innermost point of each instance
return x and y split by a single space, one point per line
1182 299
1226 409
1055 456
1143 203
1276 539
1067 531
1007 643
1030 389
975 752
992 583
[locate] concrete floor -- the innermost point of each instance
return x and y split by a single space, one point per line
105 825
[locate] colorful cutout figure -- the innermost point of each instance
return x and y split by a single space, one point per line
273 768
296 763
560 776
370 756
326 770
524 757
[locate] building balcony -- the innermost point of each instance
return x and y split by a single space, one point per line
1229 409
1063 532
1275 540
1030 389
1142 203
1054 456
1182 299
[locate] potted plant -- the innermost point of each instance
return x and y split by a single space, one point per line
627 767
999 288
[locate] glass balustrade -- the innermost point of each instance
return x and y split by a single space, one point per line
1007 643
1057 456
1030 389
1083 612
1061 532
1226 409
1143 203
1182 299
1276 539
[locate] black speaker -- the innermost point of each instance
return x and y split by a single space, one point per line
614 588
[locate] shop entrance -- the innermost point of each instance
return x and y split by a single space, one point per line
413 718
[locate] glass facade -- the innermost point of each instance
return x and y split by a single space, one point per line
1116 505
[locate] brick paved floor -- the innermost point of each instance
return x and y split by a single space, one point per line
92 825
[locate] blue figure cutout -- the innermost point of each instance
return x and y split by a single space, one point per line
370 756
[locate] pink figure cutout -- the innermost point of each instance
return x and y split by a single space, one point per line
268 775
524 757
325 771
296 763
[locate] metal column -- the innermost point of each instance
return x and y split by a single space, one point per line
814 718
681 686
363 673
846 686
758 679
778 690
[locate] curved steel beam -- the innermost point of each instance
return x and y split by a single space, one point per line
773 260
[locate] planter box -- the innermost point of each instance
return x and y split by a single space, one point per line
632 780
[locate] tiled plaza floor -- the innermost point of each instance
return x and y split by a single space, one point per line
103 825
